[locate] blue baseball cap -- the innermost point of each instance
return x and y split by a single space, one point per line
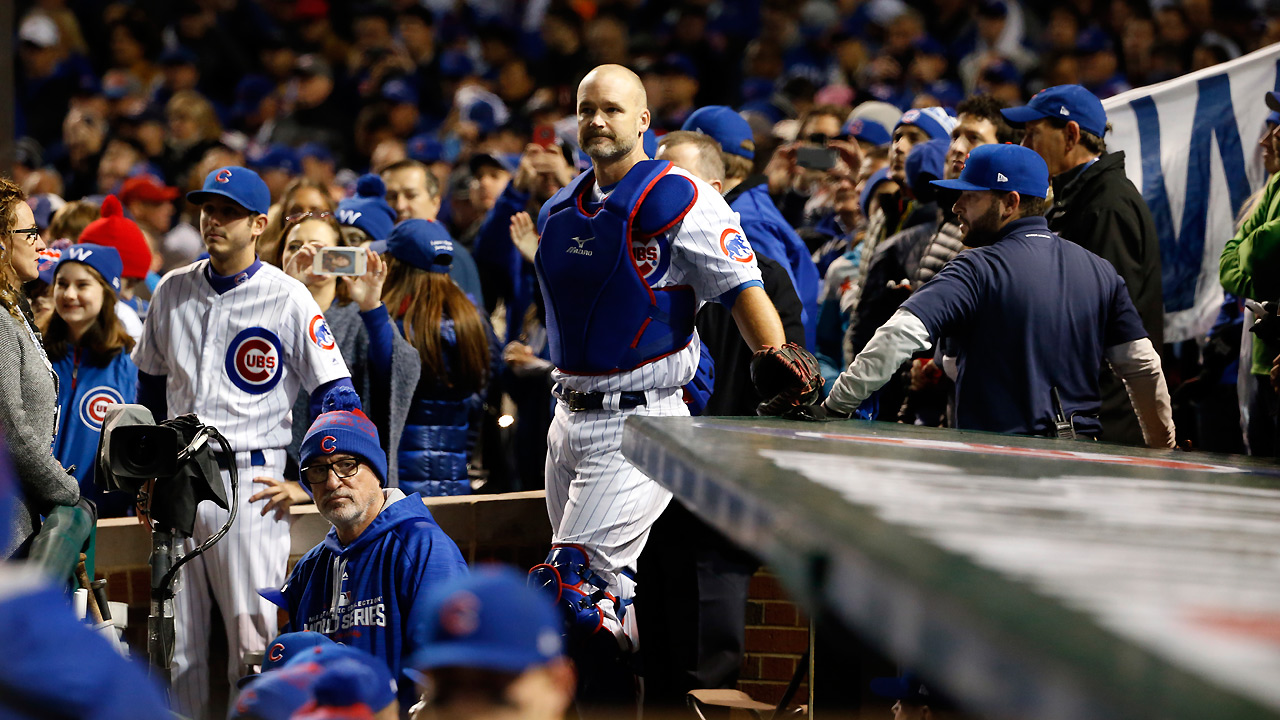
1273 101
1003 168
424 148
1065 102
724 125
868 130
283 649
379 689
103 259
400 92
238 184
934 121
908 688
424 244
1272 119
924 165
316 151
278 157
276 695
491 620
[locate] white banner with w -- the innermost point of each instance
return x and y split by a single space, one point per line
1191 147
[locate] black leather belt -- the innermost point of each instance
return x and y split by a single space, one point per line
578 401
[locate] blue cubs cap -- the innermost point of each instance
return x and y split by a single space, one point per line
1002 168
490 159
377 689
424 244
283 649
908 688
278 157
276 695
924 165
399 92
1065 102
1001 72
368 210
238 184
490 620
315 151
724 125
934 121
867 130
105 260
424 148
287 645
342 427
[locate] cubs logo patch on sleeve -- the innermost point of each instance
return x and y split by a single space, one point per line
254 360
94 404
320 334
735 245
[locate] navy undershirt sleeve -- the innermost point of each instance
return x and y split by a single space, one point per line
151 395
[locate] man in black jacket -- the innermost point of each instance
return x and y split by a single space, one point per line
1097 207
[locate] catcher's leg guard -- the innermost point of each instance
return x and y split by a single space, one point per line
578 591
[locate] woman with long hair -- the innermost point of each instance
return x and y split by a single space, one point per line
89 348
28 385
458 351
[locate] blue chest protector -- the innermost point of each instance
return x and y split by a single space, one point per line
602 316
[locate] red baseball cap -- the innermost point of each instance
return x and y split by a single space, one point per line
147 188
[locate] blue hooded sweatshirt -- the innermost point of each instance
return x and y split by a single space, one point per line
371 594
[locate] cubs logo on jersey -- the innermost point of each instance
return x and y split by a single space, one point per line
94 404
735 245
254 360
320 334
652 257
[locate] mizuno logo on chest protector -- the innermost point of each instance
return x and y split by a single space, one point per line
581 248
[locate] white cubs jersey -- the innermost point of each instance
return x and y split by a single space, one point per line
237 359
708 252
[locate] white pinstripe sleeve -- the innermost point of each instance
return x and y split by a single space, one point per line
709 250
314 356
149 354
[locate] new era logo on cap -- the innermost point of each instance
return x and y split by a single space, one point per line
1063 111
1001 178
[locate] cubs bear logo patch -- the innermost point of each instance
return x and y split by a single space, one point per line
735 245
320 334
254 360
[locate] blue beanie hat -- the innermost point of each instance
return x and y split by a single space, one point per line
368 210
934 121
343 427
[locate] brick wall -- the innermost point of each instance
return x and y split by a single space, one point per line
777 634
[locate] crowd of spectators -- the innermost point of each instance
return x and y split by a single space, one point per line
435 131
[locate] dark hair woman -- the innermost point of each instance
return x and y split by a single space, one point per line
459 353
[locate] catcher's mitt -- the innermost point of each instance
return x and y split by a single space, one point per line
787 378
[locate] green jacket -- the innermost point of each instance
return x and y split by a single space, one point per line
1250 264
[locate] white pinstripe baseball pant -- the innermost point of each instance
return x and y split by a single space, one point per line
254 554
598 500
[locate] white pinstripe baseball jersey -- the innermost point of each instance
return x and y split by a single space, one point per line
708 252
237 359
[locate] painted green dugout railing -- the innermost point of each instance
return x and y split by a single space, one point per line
1030 578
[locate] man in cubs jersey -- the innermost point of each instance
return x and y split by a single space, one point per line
232 340
629 251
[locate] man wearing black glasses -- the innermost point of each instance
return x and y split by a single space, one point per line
364 585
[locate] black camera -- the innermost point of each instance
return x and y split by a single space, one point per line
134 450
